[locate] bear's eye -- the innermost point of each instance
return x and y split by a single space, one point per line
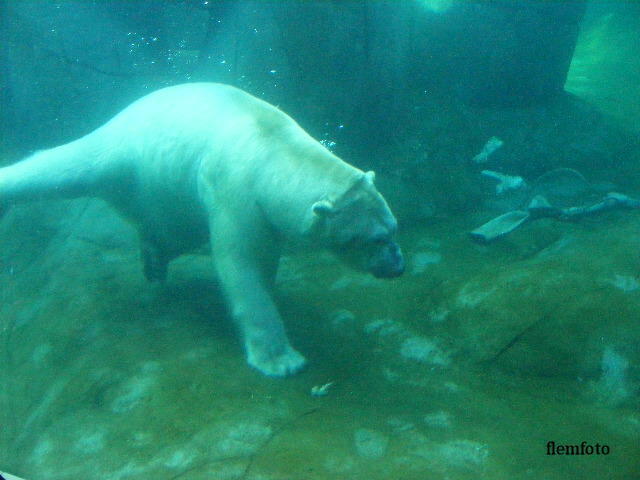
354 242
379 239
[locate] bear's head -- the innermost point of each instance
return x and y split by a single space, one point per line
359 228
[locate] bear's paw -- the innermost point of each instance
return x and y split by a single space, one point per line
281 363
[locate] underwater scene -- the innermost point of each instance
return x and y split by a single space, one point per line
319 239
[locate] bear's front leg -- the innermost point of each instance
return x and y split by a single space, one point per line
246 258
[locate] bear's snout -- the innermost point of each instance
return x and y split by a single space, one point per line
390 262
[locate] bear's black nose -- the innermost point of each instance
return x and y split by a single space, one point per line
392 264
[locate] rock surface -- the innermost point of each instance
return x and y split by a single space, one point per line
107 376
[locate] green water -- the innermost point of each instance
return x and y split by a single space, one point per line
464 368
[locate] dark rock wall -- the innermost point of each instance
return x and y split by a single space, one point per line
356 64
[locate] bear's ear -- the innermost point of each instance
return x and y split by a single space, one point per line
370 176
323 208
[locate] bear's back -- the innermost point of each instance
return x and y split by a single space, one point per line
195 107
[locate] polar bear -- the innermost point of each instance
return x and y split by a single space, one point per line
205 161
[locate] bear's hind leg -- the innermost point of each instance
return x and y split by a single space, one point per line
68 171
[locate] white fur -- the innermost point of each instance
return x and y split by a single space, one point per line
203 160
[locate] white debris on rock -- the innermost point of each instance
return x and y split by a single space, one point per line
132 392
341 318
464 454
505 182
339 464
384 327
438 315
472 294
321 390
423 350
493 144
89 443
421 260
439 419
370 444
243 439
400 425
626 283
179 459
